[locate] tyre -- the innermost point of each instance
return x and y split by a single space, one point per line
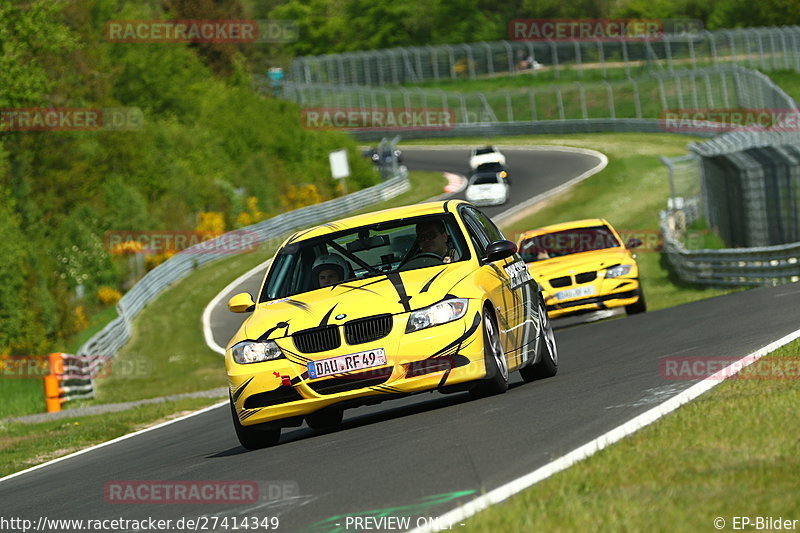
253 437
639 307
325 419
548 364
496 381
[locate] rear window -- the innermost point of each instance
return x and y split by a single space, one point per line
484 179
490 167
572 241
487 150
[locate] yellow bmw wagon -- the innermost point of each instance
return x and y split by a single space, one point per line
583 266
380 306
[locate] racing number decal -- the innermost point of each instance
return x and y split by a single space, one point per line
518 274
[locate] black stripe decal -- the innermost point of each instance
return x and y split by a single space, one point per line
397 282
444 377
467 334
355 288
247 414
238 392
430 281
299 304
279 325
327 316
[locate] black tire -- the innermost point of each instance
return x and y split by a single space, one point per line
325 419
253 437
496 381
639 307
548 364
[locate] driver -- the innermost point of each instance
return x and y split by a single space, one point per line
328 270
432 238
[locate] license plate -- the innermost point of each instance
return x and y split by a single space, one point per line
346 363
575 293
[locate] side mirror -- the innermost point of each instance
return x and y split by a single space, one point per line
500 250
633 243
241 303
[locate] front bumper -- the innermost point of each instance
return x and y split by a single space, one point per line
626 292
276 390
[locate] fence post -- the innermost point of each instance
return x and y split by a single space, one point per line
578 62
554 58
602 57
610 95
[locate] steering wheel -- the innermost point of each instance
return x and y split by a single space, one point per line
423 259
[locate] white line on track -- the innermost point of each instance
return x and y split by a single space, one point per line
113 441
207 333
503 492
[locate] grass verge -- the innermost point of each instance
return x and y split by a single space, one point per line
726 454
26 445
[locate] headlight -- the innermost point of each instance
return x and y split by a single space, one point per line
619 270
255 352
440 313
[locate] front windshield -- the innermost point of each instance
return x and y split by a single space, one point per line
571 241
365 252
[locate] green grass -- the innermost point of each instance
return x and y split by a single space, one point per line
729 453
25 445
21 396
787 80
528 78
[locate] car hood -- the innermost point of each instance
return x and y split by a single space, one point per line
389 293
582 262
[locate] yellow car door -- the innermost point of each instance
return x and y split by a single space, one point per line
510 288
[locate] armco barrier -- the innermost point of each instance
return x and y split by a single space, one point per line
767 265
117 332
71 377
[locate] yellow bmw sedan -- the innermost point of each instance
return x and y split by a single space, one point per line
380 306
583 266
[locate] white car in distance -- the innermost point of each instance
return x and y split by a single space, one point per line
487 189
487 154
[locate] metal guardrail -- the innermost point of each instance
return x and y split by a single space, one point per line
117 332
759 48
768 265
71 377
